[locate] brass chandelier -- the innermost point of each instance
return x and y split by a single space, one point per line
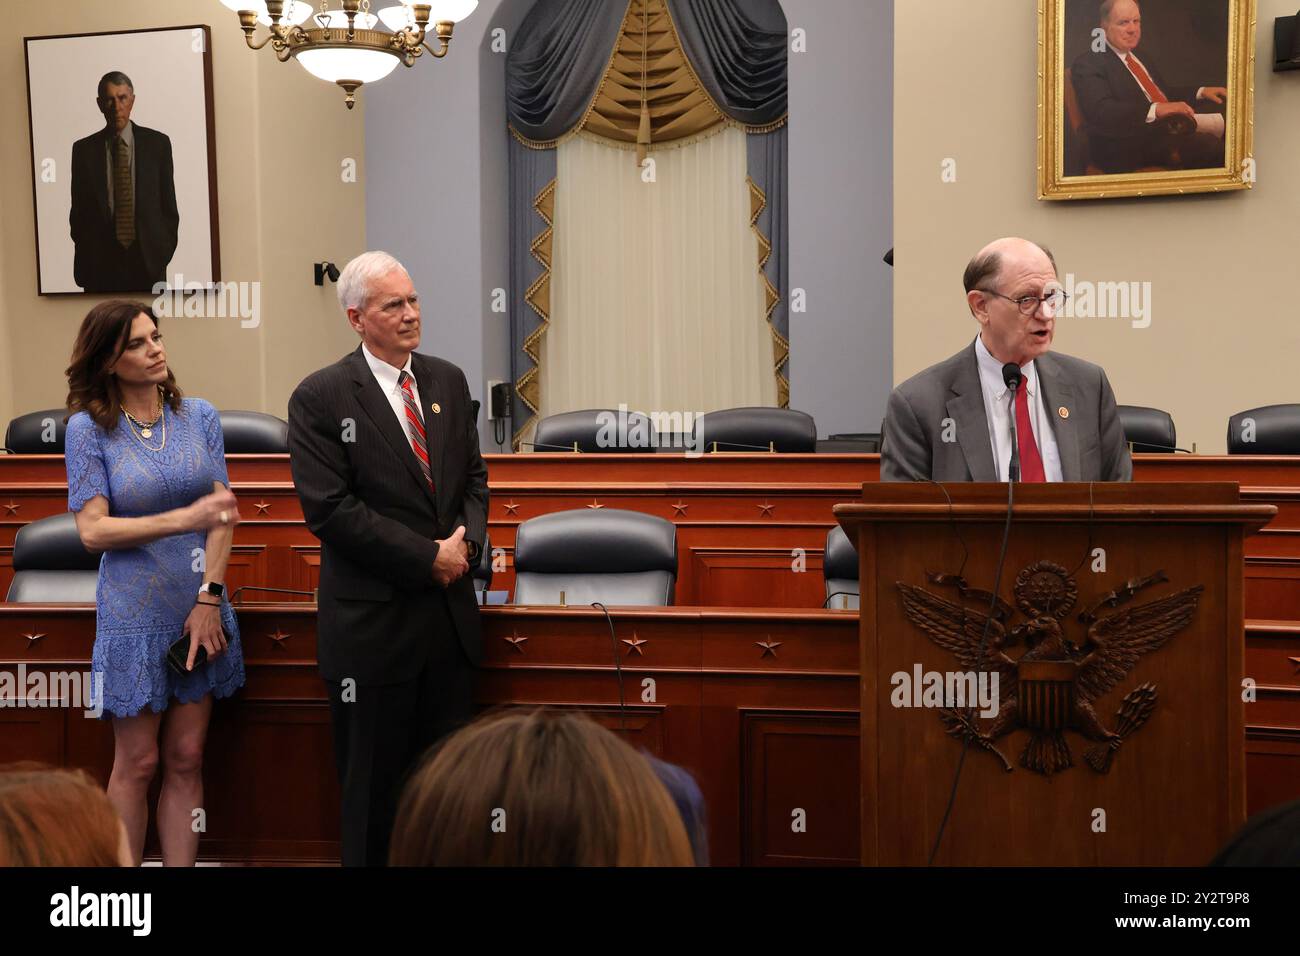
343 46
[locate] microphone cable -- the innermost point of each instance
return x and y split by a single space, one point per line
1087 552
618 667
979 661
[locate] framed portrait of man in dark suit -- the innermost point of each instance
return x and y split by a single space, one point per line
123 161
1144 97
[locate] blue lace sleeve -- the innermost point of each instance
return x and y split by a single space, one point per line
216 442
87 476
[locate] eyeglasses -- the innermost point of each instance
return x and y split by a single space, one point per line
1052 301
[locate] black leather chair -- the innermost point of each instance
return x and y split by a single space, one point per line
50 564
482 572
754 429
840 568
26 433
1273 430
1148 429
254 433
596 554
850 443
556 432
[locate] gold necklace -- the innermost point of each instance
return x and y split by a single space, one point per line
147 430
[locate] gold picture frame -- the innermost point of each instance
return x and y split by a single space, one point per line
1063 120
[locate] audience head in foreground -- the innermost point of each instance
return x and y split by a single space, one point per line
52 817
1269 838
955 420
537 788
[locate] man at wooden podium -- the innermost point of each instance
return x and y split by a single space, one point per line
952 422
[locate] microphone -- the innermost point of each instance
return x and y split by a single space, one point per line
1012 377
548 447
835 594
234 598
739 446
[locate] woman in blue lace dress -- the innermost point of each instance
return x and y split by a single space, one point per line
147 482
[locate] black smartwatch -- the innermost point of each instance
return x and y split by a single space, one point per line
213 588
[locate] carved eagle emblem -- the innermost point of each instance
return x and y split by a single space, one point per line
1050 688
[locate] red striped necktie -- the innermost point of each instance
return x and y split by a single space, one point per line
415 426
1031 462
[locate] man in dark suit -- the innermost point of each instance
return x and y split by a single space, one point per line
384 451
952 422
124 218
1134 117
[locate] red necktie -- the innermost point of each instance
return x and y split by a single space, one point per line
1031 463
415 426
1143 77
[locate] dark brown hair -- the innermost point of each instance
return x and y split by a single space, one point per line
537 788
53 817
102 338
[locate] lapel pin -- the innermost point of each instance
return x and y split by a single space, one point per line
437 409
1063 412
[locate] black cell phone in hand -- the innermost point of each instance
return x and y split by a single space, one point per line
179 652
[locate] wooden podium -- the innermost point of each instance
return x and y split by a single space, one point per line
1116 737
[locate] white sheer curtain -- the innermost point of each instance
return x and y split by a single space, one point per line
656 299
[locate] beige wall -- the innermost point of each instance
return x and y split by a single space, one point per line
281 137
1225 329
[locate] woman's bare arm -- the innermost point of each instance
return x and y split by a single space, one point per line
100 531
217 546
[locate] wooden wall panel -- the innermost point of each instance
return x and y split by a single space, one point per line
1273 588
272 792
32 734
1272 767
800 801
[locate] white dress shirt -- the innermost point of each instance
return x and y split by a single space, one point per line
1151 113
387 377
998 411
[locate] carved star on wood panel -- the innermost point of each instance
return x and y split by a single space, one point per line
595 504
766 509
510 507
279 636
517 642
12 508
769 646
680 508
262 507
634 644
1295 661
33 638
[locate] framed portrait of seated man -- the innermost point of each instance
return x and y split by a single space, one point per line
1145 97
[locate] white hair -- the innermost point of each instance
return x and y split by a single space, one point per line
360 274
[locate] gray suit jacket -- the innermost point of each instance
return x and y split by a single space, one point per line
1090 440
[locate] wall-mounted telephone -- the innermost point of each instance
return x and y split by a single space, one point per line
498 400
